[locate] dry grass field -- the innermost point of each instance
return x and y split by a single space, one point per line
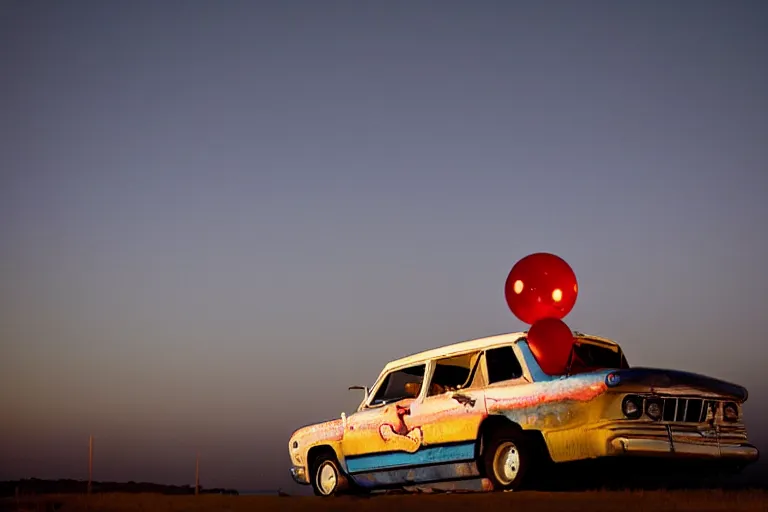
591 501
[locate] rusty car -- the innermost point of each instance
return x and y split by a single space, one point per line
483 409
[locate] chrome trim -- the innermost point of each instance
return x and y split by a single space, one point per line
299 475
640 446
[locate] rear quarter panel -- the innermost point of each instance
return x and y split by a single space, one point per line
563 410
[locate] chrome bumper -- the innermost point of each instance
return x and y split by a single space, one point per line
299 475
724 443
639 446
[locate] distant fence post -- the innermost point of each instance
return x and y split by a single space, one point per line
90 463
197 474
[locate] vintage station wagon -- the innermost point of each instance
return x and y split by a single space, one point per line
484 409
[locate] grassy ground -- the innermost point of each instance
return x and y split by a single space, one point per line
592 501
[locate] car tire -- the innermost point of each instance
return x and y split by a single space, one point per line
506 460
327 478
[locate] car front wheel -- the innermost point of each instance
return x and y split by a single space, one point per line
327 479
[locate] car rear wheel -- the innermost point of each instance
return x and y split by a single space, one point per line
505 460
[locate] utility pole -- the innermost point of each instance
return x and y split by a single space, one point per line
197 474
90 463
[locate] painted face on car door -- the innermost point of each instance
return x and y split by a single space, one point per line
383 426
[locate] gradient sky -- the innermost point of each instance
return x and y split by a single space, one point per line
216 216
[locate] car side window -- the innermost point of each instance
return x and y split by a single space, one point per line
400 384
502 364
453 373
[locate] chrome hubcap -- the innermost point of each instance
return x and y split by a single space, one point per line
327 478
506 463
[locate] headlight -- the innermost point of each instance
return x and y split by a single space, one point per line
730 411
653 409
632 406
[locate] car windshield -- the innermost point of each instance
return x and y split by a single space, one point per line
589 357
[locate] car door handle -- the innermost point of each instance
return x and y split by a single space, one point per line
464 399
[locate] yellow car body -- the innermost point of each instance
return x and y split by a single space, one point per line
408 433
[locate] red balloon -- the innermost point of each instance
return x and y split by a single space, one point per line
551 342
541 285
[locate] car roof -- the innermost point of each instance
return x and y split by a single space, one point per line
477 344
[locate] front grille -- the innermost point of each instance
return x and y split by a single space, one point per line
687 410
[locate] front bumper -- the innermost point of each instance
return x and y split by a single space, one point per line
692 441
679 441
638 446
299 475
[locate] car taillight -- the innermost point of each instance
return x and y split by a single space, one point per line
612 379
730 411
632 407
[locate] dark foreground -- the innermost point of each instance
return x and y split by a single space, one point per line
597 501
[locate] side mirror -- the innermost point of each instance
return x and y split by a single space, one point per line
363 388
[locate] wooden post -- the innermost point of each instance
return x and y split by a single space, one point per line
197 474
90 463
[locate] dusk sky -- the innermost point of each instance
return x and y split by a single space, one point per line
217 216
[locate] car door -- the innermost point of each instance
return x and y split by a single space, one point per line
378 432
450 411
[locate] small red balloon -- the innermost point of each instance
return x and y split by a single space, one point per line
541 285
551 342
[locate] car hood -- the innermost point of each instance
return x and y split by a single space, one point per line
658 380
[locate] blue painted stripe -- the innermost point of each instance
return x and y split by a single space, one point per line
433 473
429 455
